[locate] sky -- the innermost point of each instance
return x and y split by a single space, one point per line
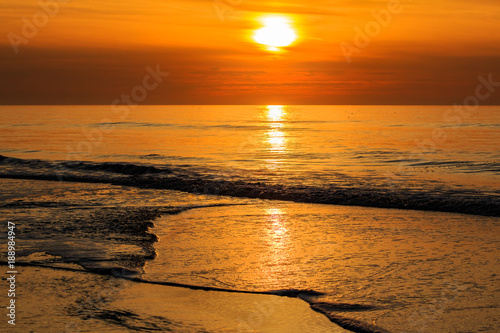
344 52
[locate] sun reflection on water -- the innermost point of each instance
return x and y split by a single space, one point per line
277 141
275 136
275 112
279 241
279 229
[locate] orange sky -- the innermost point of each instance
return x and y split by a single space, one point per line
93 51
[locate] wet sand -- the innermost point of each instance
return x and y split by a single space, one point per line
64 301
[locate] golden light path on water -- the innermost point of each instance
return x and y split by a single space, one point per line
279 242
275 136
276 139
275 113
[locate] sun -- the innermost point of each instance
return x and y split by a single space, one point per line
277 32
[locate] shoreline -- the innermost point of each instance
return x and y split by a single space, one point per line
125 304
370 262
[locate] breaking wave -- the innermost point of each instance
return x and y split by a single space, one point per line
187 179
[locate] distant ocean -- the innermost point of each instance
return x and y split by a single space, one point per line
385 209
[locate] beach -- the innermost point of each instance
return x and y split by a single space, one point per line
250 223
81 302
405 270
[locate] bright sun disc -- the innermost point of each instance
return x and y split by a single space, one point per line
276 32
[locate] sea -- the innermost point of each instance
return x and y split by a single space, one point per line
379 218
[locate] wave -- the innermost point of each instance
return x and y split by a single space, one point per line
466 166
468 201
348 323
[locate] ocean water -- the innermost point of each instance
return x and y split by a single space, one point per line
384 156
390 212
